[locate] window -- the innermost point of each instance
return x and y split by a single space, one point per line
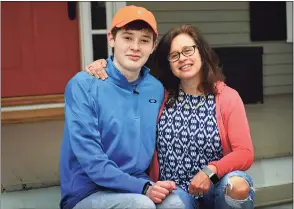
95 19
268 21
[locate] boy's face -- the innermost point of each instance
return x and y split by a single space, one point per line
132 48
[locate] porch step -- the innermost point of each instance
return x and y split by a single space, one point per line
44 198
48 198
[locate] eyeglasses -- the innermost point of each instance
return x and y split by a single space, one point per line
187 52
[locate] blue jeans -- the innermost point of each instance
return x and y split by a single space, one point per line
178 199
111 199
216 197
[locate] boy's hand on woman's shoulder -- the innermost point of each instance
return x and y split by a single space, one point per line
97 69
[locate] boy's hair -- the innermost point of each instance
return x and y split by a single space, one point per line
135 25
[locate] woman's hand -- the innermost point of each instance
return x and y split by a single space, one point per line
160 190
201 183
97 69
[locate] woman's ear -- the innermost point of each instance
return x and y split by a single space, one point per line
110 39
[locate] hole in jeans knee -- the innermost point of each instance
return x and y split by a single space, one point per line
237 188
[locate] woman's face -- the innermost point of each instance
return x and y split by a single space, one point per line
185 68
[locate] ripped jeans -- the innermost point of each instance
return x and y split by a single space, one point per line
217 198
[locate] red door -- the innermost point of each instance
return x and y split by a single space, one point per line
40 48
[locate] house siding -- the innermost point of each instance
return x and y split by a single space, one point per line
228 24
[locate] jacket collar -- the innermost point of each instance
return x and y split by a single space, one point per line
115 76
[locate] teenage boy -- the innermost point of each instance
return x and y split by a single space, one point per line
110 126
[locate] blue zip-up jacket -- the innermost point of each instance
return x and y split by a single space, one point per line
109 134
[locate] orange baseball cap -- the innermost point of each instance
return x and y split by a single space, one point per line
131 13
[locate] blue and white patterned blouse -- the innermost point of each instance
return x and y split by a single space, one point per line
188 138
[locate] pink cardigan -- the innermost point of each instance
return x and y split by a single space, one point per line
234 133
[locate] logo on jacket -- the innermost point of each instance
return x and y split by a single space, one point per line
152 100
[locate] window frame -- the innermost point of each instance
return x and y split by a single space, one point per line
289 17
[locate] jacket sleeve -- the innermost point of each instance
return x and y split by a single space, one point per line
81 118
238 133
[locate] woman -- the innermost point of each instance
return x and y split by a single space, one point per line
204 141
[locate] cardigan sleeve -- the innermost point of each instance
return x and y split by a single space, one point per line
238 133
153 170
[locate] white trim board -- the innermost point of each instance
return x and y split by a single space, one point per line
289 15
